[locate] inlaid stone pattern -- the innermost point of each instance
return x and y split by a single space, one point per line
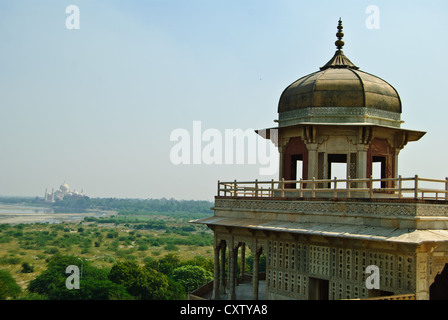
338 111
366 208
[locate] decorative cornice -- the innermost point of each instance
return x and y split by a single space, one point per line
338 112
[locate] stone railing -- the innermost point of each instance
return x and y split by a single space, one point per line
399 188
409 296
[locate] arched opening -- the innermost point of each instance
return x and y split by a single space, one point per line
380 162
297 167
439 288
337 167
295 161
379 171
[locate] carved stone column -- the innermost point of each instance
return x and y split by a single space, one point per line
235 264
243 260
256 253
281 150
216 272
362 164
422 275
222 279
232 269
312 160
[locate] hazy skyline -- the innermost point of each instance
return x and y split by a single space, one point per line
95 107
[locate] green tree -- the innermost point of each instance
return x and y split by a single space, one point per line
8 286
250 263
192 277
168 263
93 289
175 290
142 283
27 268
201 261
94 283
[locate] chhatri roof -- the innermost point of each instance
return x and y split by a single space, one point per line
340 84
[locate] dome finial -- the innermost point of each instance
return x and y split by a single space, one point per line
339 59
339 43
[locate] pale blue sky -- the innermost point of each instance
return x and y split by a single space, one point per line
95 107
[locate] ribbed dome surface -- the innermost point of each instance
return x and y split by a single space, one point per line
340 87
340 83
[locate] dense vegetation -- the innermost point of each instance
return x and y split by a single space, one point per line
125 280
197 208
120 261
143 249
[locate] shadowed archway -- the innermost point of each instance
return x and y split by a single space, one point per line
439 289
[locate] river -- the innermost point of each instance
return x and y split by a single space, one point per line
15 214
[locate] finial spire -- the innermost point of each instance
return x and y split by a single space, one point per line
339 43
339 59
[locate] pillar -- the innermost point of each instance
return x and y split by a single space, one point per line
255 277
362 165
395 163
216 272
243 260
421 285
281 150
235 264
232 264
232 295
222 279
312 160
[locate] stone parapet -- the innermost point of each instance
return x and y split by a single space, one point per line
410 214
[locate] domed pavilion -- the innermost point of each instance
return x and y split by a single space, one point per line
368 234
341 114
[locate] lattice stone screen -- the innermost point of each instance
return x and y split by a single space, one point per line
291 264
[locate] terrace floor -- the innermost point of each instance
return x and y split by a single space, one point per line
243 291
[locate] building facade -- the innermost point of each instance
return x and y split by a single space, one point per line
372 234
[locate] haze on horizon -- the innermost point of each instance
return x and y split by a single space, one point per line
95 106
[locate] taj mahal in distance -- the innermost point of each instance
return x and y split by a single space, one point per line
322 236
63 191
